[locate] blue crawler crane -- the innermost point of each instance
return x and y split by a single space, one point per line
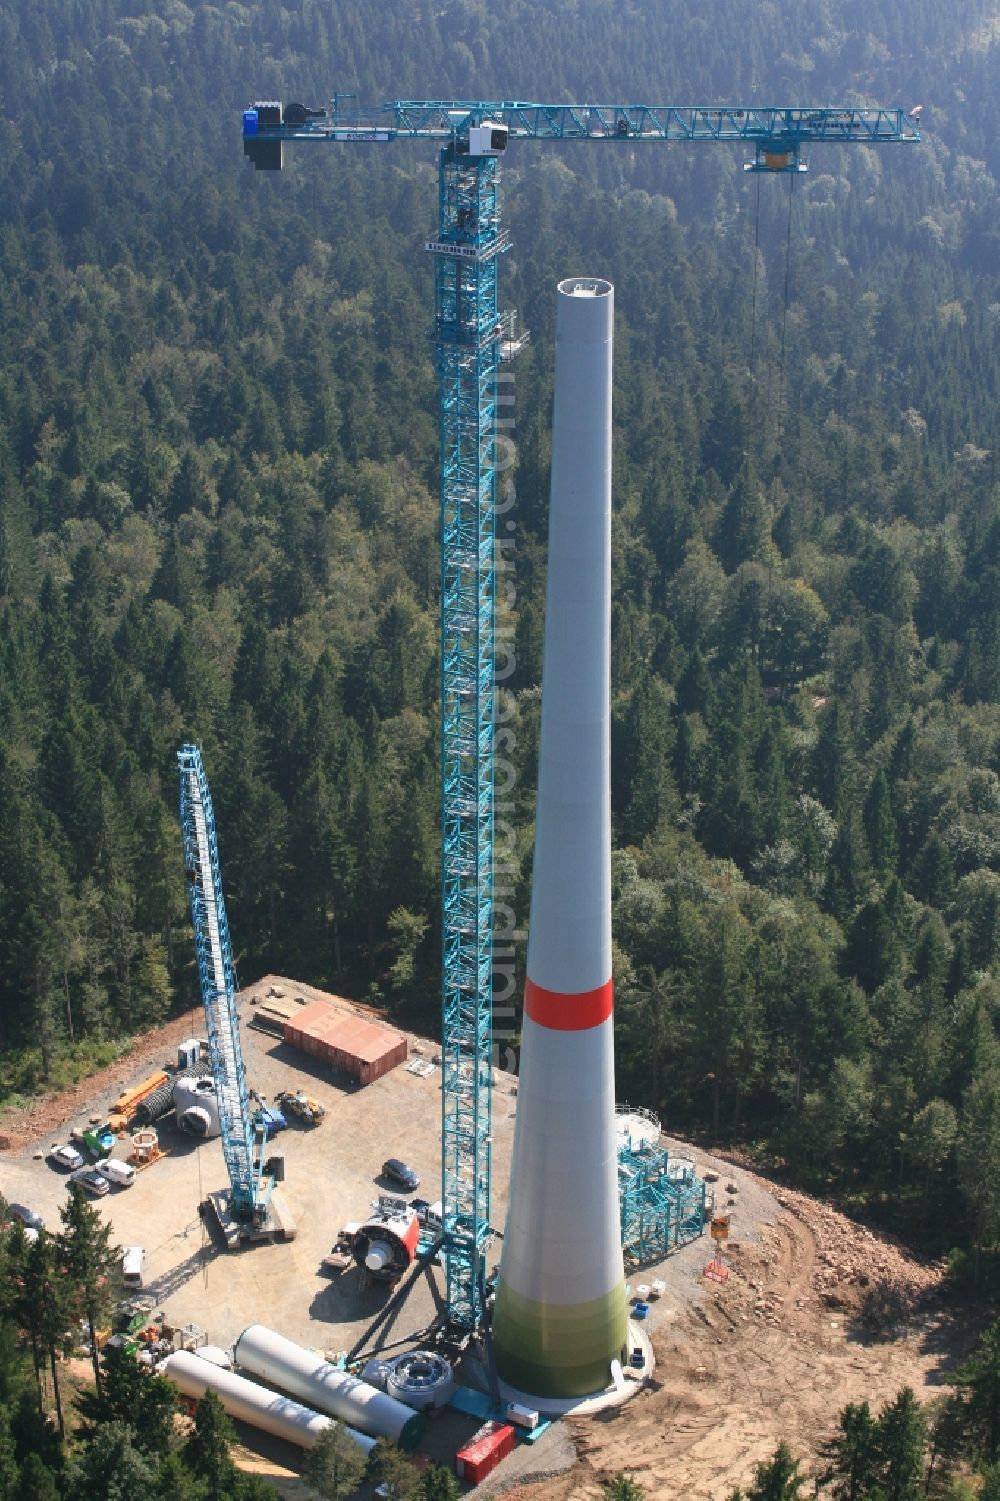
243 1141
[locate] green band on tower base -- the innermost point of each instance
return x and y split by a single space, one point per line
558 1349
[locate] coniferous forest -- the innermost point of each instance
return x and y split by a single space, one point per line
218 521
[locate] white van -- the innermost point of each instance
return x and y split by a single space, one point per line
116 1171
133 1266
433 1216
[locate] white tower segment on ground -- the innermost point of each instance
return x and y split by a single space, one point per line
271 1411
309 1376
560 1316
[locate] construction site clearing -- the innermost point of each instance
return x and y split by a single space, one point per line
771 1352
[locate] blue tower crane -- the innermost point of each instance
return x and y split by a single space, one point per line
471 339
242 1142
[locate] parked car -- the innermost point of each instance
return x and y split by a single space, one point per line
29 1219
400 1172
133 1266
65 1156
91 1181
116 1171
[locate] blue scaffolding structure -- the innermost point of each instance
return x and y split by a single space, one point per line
662 1202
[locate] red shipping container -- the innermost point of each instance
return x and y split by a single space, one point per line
346 1041
486 1448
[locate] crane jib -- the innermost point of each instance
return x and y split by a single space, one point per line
452 120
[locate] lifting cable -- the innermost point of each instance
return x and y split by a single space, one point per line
779 423
752 394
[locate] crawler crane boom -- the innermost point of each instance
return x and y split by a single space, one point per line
242 1142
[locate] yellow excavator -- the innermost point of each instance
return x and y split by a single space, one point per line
302 1105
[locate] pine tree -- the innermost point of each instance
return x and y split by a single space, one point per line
37 1482
335 1464
880 827
91 1264
979 1379
395 1471
695 690
933 872
834 766
743 534
131 1393
8 1458
851 1455
112 1468
978 1162
35 1435
847 868
188 488
175 1482
901 1435
645 793
42 1313
778 1479
207 1450
947 1440
437 1483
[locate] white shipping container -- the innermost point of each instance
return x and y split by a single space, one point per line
524 1417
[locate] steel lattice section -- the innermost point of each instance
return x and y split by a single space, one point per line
467 329
662 1203
217 975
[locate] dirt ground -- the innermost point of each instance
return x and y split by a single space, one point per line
773 1353
21 1126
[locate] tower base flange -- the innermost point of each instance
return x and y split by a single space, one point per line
629 1380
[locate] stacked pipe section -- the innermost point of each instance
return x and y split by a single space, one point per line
253 1404
306 1375
560 1316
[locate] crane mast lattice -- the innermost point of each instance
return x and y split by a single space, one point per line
470 338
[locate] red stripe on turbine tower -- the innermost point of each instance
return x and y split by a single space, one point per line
567 1012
